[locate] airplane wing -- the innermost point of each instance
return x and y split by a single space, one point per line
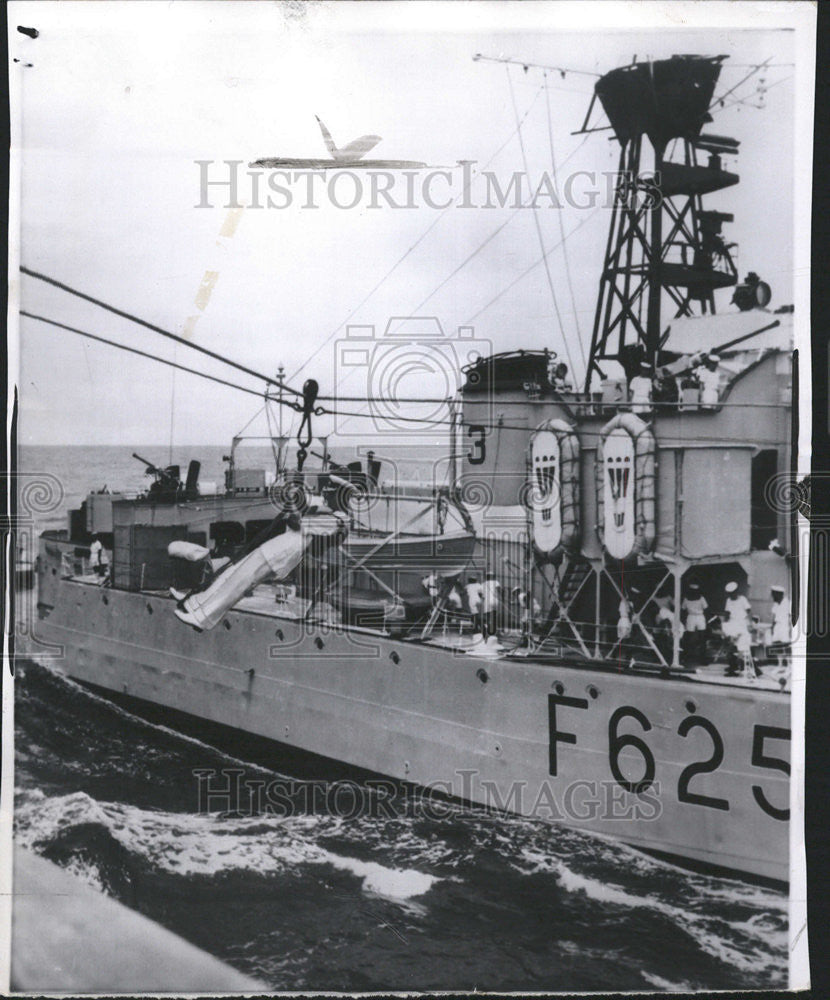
327 139
354 150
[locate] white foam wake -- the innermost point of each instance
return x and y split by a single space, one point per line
186 844
753 944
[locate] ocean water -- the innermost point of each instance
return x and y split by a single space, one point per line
452 900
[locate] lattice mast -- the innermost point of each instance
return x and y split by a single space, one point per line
661 241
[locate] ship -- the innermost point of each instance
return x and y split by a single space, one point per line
616 693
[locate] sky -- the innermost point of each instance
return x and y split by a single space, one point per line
122 100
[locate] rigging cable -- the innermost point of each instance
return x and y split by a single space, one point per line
744 100
277 454
753 71
532 267
248 424
143 354
539 228
514 213
172 409
562 70
481 246
562 227
155 329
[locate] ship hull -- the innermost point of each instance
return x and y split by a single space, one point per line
675 765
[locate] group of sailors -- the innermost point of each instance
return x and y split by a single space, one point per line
735 623
485 603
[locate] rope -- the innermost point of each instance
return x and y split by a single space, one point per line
156 329
143 354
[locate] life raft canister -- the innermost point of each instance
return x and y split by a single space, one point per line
553 491
625 484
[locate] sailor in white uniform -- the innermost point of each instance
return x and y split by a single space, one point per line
709 379
431 586
693 607
624 620
99 560
781 625
474 595
279 554
736 625
641 387
454 597
490 601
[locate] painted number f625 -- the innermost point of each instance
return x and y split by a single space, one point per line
628 727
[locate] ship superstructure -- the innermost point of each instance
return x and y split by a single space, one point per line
607 496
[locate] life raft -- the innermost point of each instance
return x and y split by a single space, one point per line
625 487
553 490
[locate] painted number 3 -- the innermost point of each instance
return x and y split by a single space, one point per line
476 432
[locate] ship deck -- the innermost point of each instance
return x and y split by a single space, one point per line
265 601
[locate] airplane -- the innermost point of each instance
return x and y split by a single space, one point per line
349 157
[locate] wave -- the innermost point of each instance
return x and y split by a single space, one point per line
186 845
716 919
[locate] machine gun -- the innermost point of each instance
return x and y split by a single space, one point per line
168 483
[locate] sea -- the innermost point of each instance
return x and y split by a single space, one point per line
317 897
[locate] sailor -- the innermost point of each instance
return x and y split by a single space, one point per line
490 601
664 626
526 607
781 629
665 613
431 586
454 597
474 595
736 624
693 608
640 389
279 554
624 621
709 378
98 558
560 378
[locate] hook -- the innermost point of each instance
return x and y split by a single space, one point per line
304 434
